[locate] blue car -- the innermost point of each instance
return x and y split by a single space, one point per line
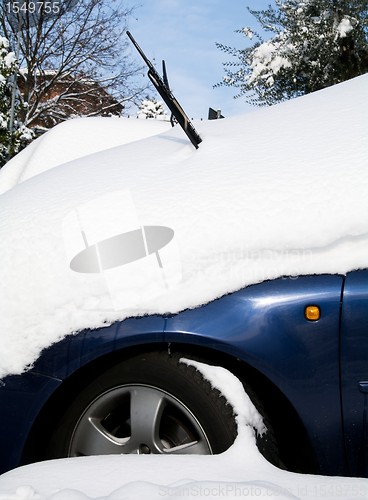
298 344
247 251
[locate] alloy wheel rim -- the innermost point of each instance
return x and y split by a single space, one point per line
138 419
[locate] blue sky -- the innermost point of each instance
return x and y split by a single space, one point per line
183 33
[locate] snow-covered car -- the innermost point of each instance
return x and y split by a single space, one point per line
123 268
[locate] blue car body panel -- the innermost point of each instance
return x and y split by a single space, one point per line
64 358
262 325
265 326
354 371
21 399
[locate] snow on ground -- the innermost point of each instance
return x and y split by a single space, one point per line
240 472
280 191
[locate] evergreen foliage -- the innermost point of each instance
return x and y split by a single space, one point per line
315 44
151 108
10 141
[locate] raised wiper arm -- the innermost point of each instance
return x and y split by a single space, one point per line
169 98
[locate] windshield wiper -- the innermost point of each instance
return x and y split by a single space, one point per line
170 101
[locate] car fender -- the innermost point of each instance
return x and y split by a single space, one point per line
264 325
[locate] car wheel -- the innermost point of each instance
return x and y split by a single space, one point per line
150 403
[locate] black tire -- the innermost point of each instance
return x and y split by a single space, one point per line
151 403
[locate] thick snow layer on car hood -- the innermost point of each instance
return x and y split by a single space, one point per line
73 139
280 191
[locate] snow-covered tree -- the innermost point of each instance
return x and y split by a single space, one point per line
315 44
74 58
151 108
11 141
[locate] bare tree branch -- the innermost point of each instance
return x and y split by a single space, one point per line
86 44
